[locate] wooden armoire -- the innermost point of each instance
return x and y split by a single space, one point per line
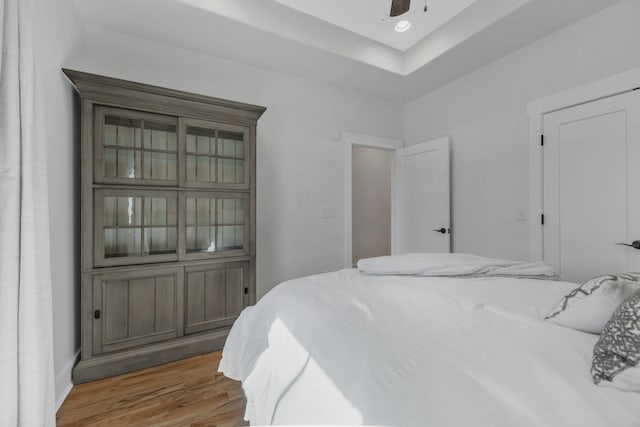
167 222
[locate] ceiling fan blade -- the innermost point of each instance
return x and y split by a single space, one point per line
398 7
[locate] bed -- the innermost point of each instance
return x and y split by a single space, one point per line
408 350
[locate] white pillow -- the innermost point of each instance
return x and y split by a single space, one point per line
588 307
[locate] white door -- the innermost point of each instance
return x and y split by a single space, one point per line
592 187
421 198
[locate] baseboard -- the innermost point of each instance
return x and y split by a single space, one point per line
63 381
141 357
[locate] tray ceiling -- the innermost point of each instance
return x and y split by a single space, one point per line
363 17
332 48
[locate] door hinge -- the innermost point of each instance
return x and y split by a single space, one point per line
246 290
542 219
542 140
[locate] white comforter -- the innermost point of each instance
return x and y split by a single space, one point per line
343 348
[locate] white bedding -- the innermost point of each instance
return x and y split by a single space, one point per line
344 348
454 265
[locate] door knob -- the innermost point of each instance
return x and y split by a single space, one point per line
444 230
635 244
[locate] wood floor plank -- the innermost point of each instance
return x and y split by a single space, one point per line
188 392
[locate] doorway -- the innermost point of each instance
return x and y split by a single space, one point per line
371 202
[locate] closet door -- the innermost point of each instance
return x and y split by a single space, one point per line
592 187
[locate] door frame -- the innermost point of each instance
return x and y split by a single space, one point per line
350 139
434 144
604 88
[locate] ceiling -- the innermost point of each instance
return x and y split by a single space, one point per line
370 18
320 45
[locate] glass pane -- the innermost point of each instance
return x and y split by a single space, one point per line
110 218
147 166
191 143
110 243
128 163
172 239
128 242
240 236
126 155
212 169
226 211
203 212
110 163
203 239
230 171
157 240
110 135
191 211
191 239
239 171
230 237
191 168
239 211
129 211
203 144
172 211
214 224
172 167
158 211
172 145
122 132
202 169
230 144
159 136
158 166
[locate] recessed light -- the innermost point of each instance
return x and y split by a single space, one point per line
403 26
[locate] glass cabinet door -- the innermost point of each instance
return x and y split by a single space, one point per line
216 155
135 148
215 224
135 226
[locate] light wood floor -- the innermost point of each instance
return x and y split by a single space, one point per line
189 392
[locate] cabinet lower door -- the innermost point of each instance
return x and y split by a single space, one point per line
215 295
136 307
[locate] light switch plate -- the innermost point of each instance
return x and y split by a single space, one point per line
328 213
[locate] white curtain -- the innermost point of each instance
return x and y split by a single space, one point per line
26 344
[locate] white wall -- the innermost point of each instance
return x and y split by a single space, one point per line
300 163
58 33
300 160
484 113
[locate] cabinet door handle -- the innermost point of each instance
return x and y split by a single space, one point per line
96 314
